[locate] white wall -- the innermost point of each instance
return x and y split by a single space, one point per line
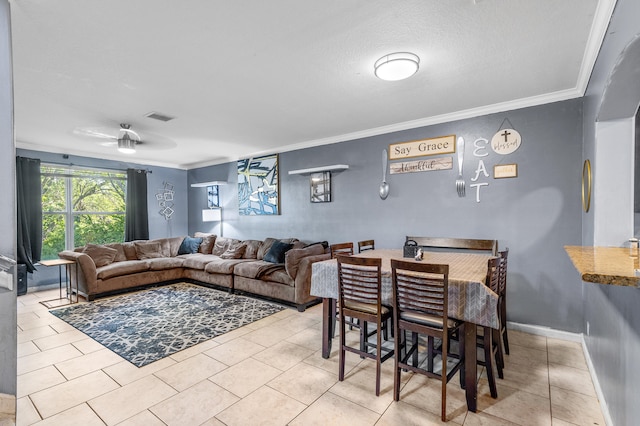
8 326
613 183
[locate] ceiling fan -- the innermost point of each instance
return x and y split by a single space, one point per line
126 140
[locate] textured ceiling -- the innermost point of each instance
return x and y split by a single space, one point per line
255 77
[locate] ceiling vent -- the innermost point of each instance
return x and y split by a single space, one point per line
158 116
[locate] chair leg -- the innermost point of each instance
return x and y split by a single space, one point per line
396 367
488 361
342 351
443 373
497 342
503 326
430 353
378 357
414 341
364 337
505 340
461 352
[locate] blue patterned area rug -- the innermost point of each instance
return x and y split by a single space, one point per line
149 325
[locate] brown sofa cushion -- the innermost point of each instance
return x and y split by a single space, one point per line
121 268
223 266
222 244
130 250
234 252
148 249
163 263
208 240
294 256
251 252
120 255
265 247
198 261
279 276
101 255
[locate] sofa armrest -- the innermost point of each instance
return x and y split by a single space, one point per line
303 279
87 275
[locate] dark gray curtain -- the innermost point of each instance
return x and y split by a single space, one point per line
136 222
29 209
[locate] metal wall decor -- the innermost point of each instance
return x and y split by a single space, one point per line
164 196
258 186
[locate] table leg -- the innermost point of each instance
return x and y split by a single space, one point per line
60 279
470 366
328 324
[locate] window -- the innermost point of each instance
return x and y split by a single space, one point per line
81 206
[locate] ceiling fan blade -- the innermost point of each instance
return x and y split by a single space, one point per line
93 133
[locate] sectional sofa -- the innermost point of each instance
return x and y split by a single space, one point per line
278 269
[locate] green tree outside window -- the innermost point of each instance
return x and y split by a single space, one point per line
81 206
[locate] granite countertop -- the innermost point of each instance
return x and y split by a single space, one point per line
605 265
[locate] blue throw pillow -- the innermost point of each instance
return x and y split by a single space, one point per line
277 251
189 245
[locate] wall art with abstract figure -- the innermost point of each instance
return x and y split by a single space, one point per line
258 189
213 196
321 187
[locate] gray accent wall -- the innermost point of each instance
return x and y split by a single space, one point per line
159 227
8 324
612 314
535 214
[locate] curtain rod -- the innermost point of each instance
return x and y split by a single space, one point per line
94 167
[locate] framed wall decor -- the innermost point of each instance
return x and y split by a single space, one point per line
213 196
258 186
501 171
320 187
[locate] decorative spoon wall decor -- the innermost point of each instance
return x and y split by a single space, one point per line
384 187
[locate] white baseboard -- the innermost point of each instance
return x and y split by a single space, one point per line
596 384
573 337
545 331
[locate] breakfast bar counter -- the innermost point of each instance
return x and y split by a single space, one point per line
605 265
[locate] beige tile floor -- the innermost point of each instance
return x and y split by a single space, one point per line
271 373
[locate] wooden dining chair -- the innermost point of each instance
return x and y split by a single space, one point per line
359 287
366 245
450 244
502 301
341 248
420 305
490 340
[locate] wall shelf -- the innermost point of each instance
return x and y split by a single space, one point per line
211 183
319 169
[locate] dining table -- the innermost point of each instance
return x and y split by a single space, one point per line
470 300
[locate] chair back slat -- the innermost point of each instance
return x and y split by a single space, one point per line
341 248
420 287
366 245
504 255
493 274
359 279
457 243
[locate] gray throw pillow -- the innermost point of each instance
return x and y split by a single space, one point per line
189 245
277 251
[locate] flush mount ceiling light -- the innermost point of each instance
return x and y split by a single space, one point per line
396 66
126 145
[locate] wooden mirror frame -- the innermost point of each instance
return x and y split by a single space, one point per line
586 185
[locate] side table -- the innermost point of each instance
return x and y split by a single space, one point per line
68 287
